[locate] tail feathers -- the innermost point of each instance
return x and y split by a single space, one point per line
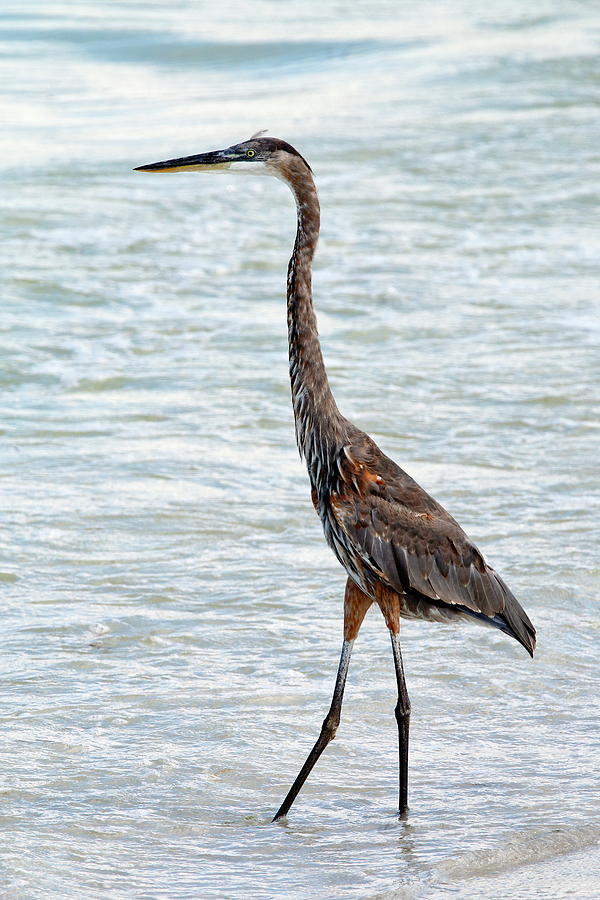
513 620
518 623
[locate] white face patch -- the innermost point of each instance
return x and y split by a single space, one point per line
251 167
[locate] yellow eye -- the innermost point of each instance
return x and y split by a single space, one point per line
251 153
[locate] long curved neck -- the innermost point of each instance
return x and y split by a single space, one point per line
318 419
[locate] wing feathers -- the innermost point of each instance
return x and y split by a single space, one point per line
421 551
390 529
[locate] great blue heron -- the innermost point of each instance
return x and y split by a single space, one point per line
400 548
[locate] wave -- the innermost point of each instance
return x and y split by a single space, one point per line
524 848
157 49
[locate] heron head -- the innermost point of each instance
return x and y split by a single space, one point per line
258 156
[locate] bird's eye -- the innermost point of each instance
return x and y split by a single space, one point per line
250 153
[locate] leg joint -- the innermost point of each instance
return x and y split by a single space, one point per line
402 708
330 726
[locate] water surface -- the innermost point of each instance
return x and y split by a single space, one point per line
171 615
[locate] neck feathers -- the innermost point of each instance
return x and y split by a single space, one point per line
317 417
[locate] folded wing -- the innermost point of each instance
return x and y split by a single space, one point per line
407 540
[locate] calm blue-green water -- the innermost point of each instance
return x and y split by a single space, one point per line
171 617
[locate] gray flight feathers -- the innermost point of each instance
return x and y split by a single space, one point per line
409 541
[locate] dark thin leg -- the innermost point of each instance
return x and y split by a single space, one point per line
403 719
328 730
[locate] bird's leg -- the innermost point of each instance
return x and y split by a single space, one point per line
389 603
403 720
355 606
328 730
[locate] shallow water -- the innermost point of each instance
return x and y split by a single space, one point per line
171 615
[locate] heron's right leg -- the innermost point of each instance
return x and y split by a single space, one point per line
389 603
356 605
403 719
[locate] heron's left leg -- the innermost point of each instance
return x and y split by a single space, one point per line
355 606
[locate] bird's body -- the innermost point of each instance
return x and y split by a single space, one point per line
385 529
399 546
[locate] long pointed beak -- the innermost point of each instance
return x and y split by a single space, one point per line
216 159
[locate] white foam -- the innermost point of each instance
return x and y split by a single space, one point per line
524 848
